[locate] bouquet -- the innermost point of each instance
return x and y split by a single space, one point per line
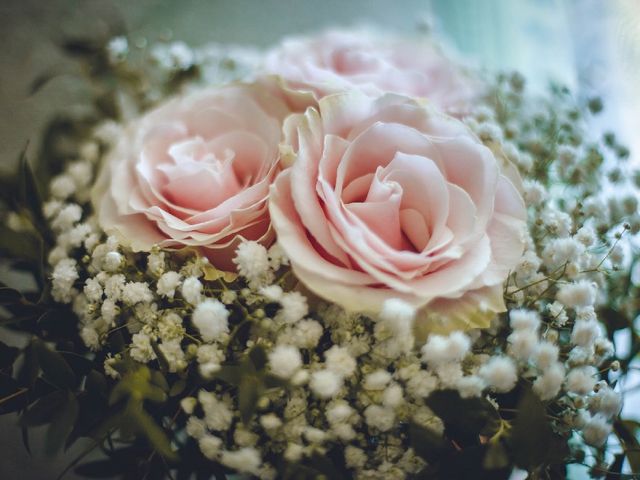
349 256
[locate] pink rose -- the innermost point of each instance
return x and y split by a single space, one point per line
387 199
196 172
337 61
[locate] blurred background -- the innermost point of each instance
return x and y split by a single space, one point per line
593 46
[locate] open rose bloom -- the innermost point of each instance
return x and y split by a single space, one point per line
387 199
195 172
338 61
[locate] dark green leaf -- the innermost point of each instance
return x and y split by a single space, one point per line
159 380
231 374
44 410
177 388
496 456
616 467
258 357
30 368
12 396
62 424
80 365
144 424
162 360
627 433
8 355
96 384
54 367
100 469
29 191
248 393
9 296
531 434
464 418
428 444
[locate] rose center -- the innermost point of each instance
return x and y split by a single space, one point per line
199 178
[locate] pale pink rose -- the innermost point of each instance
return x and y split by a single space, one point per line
389 198
196 172
337 61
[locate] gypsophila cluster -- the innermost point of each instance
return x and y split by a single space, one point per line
274 375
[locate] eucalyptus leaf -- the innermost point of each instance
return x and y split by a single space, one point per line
62 424
55 368
8 355
44 410
12 396
465 419
531 434
249 392
427 444
627 433
146 425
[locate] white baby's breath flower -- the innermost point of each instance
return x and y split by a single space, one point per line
596 430
548 385
339 360
379 417
377 380
188 404
210 446
325 383
500 373
579 294
217 414
136 292
581 380
285 360
93 290
470 386
444 349
252 260
192 290
141 349
585 332
246 459
210 318
522 319
167 284
196 428
90 337
63 277
294 307
156 263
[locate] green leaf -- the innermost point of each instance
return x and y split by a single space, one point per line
8 355
30 368
80 365
249 392
62 424
258 357
44 410
464 418
144 424
531 434
496 456
177 388
9 296
29 192
626 431
429 445
231 374
12 396
96 384
54 367
137 385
